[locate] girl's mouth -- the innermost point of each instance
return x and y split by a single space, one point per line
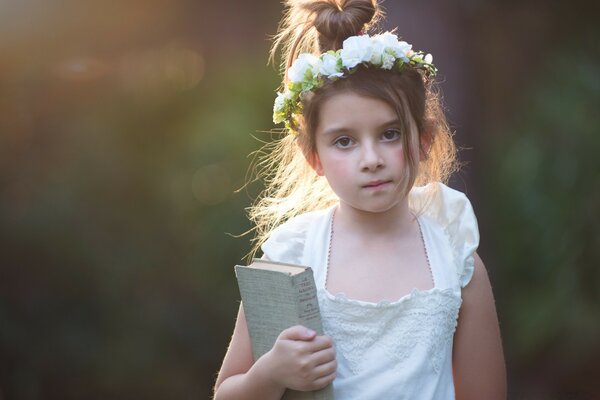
376 184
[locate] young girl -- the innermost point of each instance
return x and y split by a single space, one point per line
406 303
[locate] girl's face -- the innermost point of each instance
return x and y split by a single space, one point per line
360 150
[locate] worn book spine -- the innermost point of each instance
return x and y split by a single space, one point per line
274 301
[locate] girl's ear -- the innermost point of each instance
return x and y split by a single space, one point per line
315 162
310 155
426 139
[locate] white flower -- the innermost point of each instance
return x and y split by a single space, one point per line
390 44
279 102
387 41
356 49
328 66
428 58
387 61
303 63
403 50
378 51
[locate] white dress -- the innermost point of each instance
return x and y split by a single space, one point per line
400 349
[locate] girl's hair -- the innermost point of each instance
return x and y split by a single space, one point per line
291 185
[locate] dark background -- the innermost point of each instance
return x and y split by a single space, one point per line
125 130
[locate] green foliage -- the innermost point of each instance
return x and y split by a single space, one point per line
117 266
544 192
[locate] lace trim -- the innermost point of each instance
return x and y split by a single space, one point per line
422 322
329 246
425 248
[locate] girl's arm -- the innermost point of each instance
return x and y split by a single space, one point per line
299 359
478 360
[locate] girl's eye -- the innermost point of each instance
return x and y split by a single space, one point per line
391 134
343 142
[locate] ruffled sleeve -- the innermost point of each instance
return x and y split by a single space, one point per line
452 210
286 242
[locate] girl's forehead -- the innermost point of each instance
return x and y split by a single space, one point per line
348 109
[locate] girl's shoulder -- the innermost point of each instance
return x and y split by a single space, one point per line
286 243
452 214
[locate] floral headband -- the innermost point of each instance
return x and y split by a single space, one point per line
309 72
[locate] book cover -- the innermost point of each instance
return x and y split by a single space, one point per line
276 296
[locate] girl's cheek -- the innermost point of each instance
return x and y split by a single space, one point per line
339 166
399 154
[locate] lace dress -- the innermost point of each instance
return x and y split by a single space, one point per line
400 349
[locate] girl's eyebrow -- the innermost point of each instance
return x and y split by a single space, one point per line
344 129
395 121
335 131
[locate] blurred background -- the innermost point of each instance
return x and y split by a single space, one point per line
125 131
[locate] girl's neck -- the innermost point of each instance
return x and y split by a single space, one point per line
396 221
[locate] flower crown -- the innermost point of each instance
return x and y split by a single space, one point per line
309 72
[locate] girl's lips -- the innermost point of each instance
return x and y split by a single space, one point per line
376 184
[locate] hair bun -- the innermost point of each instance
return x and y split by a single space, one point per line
317 26
336 20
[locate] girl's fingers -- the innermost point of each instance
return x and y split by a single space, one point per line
321 343
297 332
308 347
325 369
323 381
323 356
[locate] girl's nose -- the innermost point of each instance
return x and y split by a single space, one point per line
371 158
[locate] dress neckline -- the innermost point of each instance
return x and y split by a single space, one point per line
414 292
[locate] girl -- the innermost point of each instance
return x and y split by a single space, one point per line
406 303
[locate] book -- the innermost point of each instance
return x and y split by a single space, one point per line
276 296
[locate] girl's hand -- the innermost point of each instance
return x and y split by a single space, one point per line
300 360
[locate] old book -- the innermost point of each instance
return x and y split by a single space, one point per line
276 296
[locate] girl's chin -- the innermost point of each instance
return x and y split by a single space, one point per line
373 207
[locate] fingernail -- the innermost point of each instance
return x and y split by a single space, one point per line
310 332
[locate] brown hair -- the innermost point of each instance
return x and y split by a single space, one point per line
319 26
292 187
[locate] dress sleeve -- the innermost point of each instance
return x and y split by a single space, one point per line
454 212
286 242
